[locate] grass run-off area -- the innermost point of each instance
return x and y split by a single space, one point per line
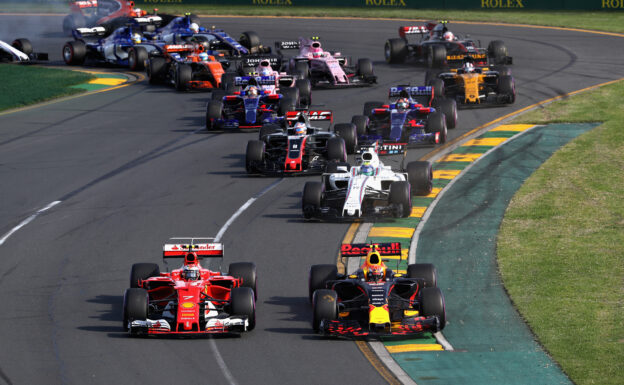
560 246
611 21
22 85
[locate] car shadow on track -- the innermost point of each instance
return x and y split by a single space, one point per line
109 312
298 309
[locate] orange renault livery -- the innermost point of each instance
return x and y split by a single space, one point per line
374 300
185 66
190 300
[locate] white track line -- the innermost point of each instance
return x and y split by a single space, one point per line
27 221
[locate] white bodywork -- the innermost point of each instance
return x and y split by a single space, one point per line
15 53
362 185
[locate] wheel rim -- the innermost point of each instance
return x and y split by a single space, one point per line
67 54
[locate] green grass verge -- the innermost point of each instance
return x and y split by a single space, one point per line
560 244
23 85
611 21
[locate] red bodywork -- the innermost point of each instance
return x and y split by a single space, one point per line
125 9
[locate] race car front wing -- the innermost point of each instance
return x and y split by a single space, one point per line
233 324
353 328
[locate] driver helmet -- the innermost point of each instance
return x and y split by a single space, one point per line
376 273
367 169
468 67
403 104
252 91
203 56
190 273
300 128
374 268
136 38
448 36
194 27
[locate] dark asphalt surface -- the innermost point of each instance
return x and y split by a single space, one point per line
133 167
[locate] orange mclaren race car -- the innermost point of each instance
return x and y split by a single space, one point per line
374 300
186 66
190 300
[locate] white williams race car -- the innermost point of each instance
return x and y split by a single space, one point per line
367 189
20 51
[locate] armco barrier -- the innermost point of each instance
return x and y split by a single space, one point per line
586 5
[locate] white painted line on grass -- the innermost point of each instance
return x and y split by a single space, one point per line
27 221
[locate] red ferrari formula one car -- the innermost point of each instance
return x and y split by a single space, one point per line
191 300
374 300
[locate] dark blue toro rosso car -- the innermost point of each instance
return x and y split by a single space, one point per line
415 117
250 108
126 46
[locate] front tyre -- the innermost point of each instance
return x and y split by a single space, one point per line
432 304
254 156
348 132
400 197
311 199
243 303
420 177
135 306
324 307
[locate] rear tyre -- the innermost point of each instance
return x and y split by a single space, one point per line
400 197
269 129
305 92
286 104
426 271
254 156
142 271
436 56
23 45
336 149
437 123
74 52
437 85
311 199
137 57
497 51
432 304
348 132
246 271
135 304
213 114
364 67
155 69
183 77
291 93
243 302
319 275
250 40
369 106
449 109
324 307
302 68
227 80
502 70
217 94
420 177
395 50
361 124
507 88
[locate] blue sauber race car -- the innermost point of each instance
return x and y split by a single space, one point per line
415 117
126 46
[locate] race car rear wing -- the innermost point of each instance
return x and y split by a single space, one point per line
254 80
180 247
254 61
179 48
293 117
361 250
89 32
422 94
413 30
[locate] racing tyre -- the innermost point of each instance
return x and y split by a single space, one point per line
302 68
217 94
269 129
247 272
437 123
243 302
324 307
426 271
449 109
305 92
507 88
311 199
71 22
348 132
291 93
213 113
420 177
250 40
364 67
400 197
369 106
361 124
395 50
155 69
254 156
437 85
319 275
23 45
227 80
141 271
497 51
135 304
286 104
74 52
436 56
137 57
336 149
432 303
184 75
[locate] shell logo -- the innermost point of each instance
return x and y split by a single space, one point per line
188 305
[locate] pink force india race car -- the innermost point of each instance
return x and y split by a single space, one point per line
191 300
324 68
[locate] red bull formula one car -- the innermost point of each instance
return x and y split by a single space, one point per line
191 300
374 300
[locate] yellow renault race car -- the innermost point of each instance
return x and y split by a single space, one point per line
473 86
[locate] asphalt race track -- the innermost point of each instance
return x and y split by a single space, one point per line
133 167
